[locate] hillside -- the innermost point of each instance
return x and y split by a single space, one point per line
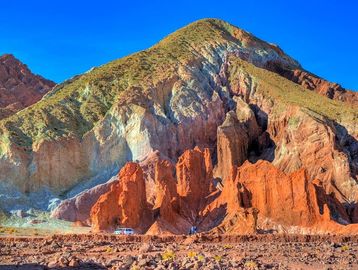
211 85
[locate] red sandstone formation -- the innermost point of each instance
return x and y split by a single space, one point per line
287 199
255 196
194 176
125 204
166 207
166 193
19 88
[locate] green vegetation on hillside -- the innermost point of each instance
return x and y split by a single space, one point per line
284 92
75 106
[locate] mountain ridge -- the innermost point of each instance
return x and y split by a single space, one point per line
169 98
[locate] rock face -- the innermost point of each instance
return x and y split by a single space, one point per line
125 204
194 177
19 88
78 208
167 208
255 197
287 199
306 140
92 124
234 136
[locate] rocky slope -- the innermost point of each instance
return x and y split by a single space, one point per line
210 85
19 88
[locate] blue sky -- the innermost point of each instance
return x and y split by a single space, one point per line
59 39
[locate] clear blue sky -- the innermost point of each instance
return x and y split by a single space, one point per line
59 39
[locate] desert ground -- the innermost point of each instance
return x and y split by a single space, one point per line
105 251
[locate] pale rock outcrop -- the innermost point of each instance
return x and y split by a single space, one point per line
234 136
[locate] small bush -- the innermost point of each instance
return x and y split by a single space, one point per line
227 246
250 265
217 258
192 254
201 257
168 255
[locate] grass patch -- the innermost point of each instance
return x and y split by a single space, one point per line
283 92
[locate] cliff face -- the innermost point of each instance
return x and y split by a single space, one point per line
125 204
255 197
210 85
19 88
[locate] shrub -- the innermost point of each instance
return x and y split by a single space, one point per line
250 265
217 258
168 255
192 254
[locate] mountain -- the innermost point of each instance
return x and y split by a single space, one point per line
19 88
211 85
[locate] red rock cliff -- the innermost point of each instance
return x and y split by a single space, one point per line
125 204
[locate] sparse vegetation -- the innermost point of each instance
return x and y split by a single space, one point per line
74 107
192 254
283 92
227 246
251 265
168 255
217 258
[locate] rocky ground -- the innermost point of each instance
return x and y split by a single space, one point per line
178 252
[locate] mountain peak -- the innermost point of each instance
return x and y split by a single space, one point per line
214 33
19 87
